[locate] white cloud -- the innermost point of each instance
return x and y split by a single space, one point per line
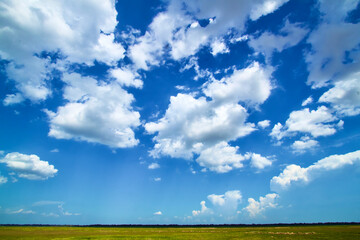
192 124
11 99
258 207
55 150
304 144
229 200
345 95
224 205
3 179
157 179
96 112
264 124
154 166
158 213
174 31
218 47
251 85
320 122
127 77
328 66
220 158
197 125
29 166
20 211
204 210
258 161
290 35
294 173
71 28
307 101
265 7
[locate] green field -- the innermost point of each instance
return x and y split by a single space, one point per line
351 232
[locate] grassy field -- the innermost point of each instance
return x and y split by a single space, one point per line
351 232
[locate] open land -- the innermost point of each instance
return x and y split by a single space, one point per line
351 232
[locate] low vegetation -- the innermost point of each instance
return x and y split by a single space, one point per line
216 232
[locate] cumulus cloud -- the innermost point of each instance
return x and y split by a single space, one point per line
304 144
294 173
290 35
264 124
258 207
344 97
29 166
198 125
96 112
204 210
127 77
154 166
250 85
191 124
320 122
218 47
158 213
80 32
258 161
225 204
221 158
175 31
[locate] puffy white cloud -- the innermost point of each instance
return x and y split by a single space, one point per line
218 47
291 173
258 207
251 85
304 144
158 213
264 124
294 173
221 158
258 161
290 35
174 31
154 166
345 95
204 210
307 101
192 124
225 204
96 112
127 77
3 179
230 199
320 122
29 166
198 125
80 31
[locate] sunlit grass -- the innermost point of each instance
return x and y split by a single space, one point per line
280 232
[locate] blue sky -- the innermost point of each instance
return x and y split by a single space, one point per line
159 112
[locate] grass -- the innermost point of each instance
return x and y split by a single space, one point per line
280 232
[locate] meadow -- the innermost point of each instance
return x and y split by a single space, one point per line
351 232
